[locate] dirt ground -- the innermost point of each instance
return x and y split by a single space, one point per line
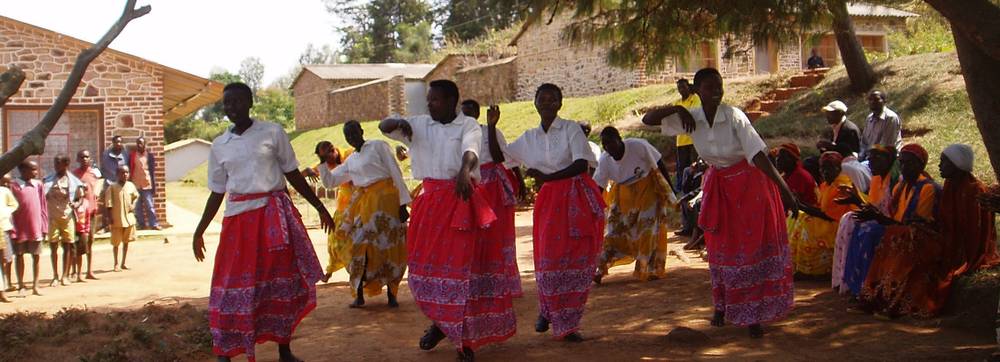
625 319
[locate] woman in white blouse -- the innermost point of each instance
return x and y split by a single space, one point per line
448 252
743 208
375 217
568 216
266 269
637 228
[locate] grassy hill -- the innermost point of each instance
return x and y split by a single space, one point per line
926 90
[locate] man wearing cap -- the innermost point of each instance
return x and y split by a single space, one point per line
845 137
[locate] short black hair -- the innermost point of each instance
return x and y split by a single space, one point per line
240 86
683 80
881 94
705 73
140 138
352 123
549 87
24 165
61 157
323 144
610 131
471 103
449 88
116 137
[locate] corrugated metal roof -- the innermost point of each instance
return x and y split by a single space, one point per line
862 9
370 71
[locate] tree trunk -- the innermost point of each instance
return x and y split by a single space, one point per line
851 53
33 142
982 82
10 82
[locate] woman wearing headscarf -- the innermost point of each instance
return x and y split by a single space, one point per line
812 235
907 261
856 240
788 161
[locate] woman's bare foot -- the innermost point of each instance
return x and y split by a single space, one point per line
393 303
116 269
573 337
326 277
285 354
358 303
53 282
3 299
63 282
91 276
124 267
34 291
719 319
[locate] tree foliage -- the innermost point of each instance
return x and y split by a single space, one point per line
384 31
472 19
252 72
214 112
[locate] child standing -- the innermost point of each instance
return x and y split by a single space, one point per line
7 206
120 200
31 224
62 194
90 176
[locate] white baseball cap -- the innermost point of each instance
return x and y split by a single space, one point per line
836 106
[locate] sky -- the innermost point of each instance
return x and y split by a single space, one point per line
195 36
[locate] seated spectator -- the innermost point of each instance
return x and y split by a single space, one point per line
811 236
815 61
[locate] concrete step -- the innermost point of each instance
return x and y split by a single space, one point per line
805 80
816 71
770 106
784 94
755 115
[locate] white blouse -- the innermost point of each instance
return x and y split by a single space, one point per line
484 148
552 151
638 161
253 162
597 151
436 149
375 162
728 141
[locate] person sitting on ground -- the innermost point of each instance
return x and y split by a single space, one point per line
815 61
883 126
856 240
31 221
844 136
63 195
7 206
637 226
919 256
119 199
812 235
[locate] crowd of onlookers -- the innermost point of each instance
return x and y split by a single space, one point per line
67 206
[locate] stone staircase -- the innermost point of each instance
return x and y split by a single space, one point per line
770 102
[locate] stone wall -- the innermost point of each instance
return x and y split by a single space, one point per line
311 100
790 56
740 62
452 63
122 94
373 100
489 83
543 57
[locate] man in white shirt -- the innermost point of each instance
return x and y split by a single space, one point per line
376 216
637 227
445 235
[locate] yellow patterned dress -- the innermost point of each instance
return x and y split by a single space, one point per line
812 239
378 251
637 227
337 246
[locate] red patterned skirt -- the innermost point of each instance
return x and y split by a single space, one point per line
265 277
462 289
568 236
747 242
501 194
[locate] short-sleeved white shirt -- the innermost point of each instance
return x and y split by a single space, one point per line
375 162
638 161
253 162
730 139
597 151
552 151
436 149
484 149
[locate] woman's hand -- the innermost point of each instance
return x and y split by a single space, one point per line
198 244
790 203
463 185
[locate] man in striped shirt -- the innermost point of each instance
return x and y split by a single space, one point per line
882 127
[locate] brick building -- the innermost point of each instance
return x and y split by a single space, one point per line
120 94
542 56
335 93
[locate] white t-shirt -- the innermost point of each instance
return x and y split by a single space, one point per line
251 163
552 151
638 161
375 162
436 149
731 138
597 151
860 175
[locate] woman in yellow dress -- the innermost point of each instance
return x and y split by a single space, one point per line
812 236
338 248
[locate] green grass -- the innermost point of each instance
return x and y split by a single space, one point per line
926 90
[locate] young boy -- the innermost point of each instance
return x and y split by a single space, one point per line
31 224
7 206
120 203
90 176
62 194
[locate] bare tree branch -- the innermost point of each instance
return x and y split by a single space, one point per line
33 142
10 82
